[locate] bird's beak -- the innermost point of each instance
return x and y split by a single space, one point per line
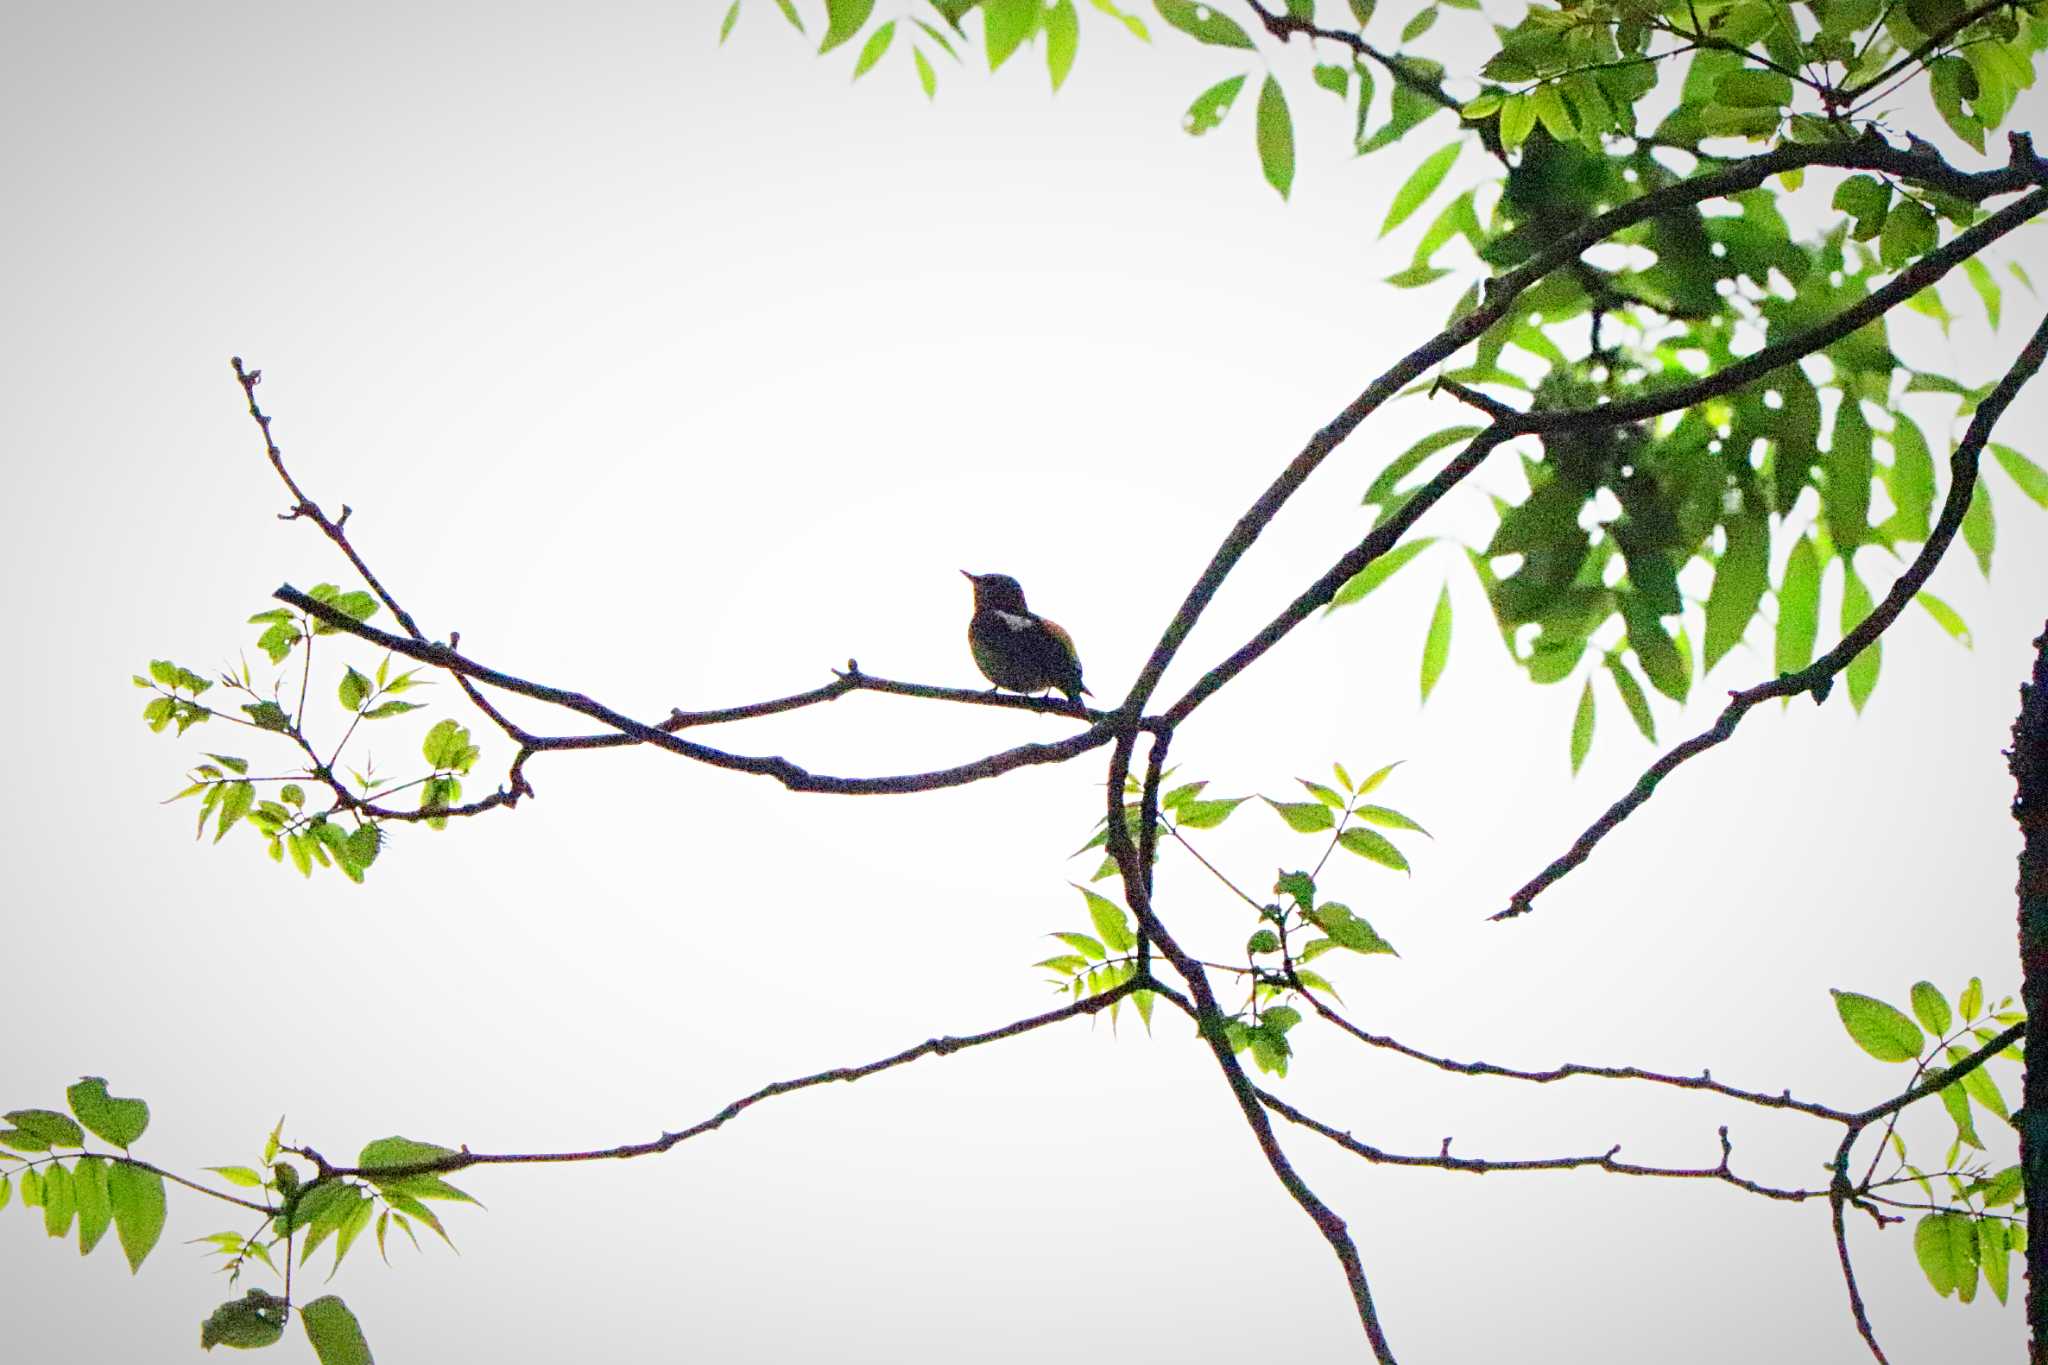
966 575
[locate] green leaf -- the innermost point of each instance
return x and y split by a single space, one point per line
1322 793
1980 530
113 1120
1415 276
1203 24
1363 582
1972 999
1582 727
1206 814
48 1127
1856 604
1335 79
385 710
1909 232
236 799
238 1175
1436 646
1137 30
249 1323
1111 923
1421 184
1376 847
1992 1248
1006 25
1930 1007
1663 664
1304 817
1879 1029
843 19
1275 137
1387 481
1062 41
1211 106
268 715
1388 818
1988 291
1910 481
1848 468
1945 616
926 77
732 16
336 1336
1372 781
1867 199
1740 578
60 1201
1798 607
1979 1085
872 51
355 690
1946 1246
138 1200
1088 947
2032 479
89 1192
447 747
1346 929
1750 88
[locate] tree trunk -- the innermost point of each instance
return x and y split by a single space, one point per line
2030 808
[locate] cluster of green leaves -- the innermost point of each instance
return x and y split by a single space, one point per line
47 1153
1277 954
1976 1214
340 834
1007 27
1101 961
91 1191
1640 558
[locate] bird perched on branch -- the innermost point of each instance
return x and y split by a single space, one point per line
1014 647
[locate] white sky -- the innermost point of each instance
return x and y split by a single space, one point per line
680 375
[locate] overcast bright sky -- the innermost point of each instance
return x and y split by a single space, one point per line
680 375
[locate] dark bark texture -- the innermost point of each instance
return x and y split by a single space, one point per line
2030 809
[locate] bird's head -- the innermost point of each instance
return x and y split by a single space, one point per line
996 592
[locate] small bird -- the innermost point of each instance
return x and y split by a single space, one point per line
1014 647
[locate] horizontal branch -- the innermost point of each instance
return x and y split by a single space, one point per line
1608 1160
1702 1082
781 769
1818 677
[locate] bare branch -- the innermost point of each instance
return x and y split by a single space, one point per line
1608 1160
1704 1081
1818 677
940 1047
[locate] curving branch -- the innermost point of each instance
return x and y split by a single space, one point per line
1818 677
931 1047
